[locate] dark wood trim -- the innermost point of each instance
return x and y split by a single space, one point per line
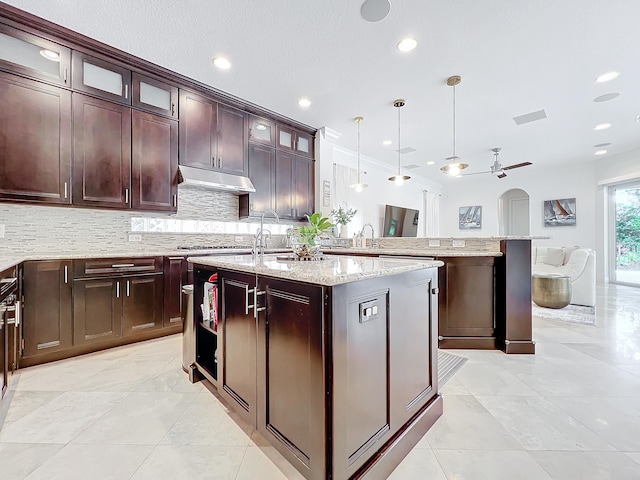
43 28
475 343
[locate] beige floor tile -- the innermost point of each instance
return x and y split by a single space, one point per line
588 466
17 460
492 465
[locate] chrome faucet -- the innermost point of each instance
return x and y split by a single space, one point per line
372 234
259 240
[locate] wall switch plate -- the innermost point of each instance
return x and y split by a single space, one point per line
458 243
2 231
434 243
135 237
238 238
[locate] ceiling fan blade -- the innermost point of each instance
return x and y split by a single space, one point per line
502 175
517 165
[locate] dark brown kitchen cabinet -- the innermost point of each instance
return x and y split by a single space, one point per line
154 162
467 302
35 125
212 136
293 186
175 276
262 168
143 301
101 78
237 355
154 96
102 153
97 310
262 130
32 56
289 138
47 310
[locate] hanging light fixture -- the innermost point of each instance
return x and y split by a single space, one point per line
358 187
398 178
454 167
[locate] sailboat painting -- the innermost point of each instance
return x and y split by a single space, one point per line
470 217
560 213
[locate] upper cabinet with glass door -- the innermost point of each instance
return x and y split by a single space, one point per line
262 130
291 139
101 78
155 96
32 56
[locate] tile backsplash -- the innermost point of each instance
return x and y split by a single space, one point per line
31 228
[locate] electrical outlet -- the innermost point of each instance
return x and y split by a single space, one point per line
2 231
458 243
239 238
434 243
135 237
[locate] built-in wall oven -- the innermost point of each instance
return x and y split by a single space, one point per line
9 321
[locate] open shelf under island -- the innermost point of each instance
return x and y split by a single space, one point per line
333 361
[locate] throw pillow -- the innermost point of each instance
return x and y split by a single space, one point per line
554 257
567 253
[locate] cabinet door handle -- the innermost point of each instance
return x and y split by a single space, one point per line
126 91
128 288
66 274
247 291
255 302
173 109
122 265
126 196
66 70
213 161
175 200
117 289
66 190
219 162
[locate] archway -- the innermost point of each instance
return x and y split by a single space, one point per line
513 208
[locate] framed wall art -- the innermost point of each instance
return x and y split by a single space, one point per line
470 217
560 213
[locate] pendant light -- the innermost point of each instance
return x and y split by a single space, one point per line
358 187
454 167
398 178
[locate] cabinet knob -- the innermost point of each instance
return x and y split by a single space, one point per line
435 291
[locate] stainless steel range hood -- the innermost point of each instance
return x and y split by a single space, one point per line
214 180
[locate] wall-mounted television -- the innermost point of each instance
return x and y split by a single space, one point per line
400 222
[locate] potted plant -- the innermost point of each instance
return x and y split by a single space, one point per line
306 237
342 216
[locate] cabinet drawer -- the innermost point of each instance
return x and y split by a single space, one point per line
100 267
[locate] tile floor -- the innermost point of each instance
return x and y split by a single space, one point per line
572 411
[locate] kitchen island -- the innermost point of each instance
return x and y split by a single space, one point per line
333 361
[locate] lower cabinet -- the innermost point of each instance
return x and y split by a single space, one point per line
467 303
73 307
108 308
47 324
175 276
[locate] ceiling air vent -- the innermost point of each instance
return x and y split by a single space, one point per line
412 166
530 117
406 150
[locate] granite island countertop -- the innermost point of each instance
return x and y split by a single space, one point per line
329 271
411 252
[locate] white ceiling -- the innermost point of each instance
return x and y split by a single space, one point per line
514 56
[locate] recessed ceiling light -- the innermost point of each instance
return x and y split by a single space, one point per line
407 44
50 55
222 63
304 102
602 126
600 145
637 118
606 97
606 77
600 152
386 143
430 162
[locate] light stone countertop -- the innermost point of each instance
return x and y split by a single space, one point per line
331 270
412 252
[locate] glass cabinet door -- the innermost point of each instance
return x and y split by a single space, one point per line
286 137
26 54
155 96
101 78
304 144
261 130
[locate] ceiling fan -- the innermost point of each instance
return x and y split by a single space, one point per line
496 167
